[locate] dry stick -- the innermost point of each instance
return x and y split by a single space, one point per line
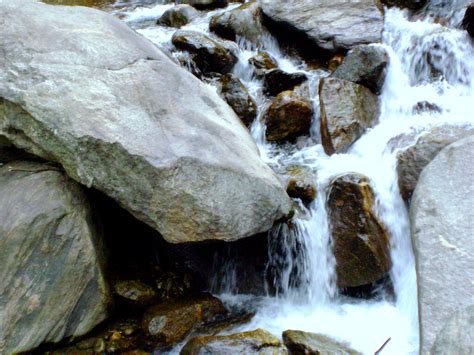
383 346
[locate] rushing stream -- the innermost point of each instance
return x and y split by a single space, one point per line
313 303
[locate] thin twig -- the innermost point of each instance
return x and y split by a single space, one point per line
383 346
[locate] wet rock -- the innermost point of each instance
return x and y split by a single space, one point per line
243 22
456 337
236 95
335 62
209 54
204 4
93 115
441 216
468 20
408 4
347 111
302 188
299 342
425 106
178 16
412 160
52 281
135 292
288 117
258 341
173 285
277 81
262 62
361 242
333 25
365 65
170 322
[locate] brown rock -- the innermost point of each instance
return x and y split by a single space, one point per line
302 189
262 62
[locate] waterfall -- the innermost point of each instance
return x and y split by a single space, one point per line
429 62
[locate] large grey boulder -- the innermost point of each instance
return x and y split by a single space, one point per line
51 278
442 225
80 88
334 25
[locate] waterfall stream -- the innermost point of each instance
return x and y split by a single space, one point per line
417 47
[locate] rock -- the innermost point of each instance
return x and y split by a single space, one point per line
442 216
170 322
209 55
178 16
361 242
333 25
365 65
258 341
409 4
299 342
335 62
288 117
347 111
425 106
262 62
204 4
468 20
303 189
277 81
124 119
243 22
457 336
8 152
51 274
411 161
173 285
236 95
134 291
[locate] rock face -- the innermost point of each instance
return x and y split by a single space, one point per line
258 341
468 20
236 95
178 16
347 110
365 65
208 54
277 80
51 278
361 243
288 117
170 322
334 25
411 161
122 118
442 218
299 342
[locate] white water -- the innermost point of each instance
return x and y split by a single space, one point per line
312 303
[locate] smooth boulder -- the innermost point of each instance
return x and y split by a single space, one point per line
51 265
178 16
347 111
361 241
333 25
121 117
442 216
299 342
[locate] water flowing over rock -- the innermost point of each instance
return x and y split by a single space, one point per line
178 16
365 65
237 96
361 242
208 54
258 341
78 87
442 218
299 342
347 110
409 4
288 117
468 20
334 25
51 277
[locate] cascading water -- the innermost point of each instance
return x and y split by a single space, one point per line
431 62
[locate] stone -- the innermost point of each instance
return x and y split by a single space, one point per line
408 4
237 96
288 117
169 322
277 81
302 189
361 241
51 265
412 160
178 16
441 217
124 119
262 62
468 20
365 65
204 4
335 62
333 25
135 291
243 22
299 342
425 106
208 54
257 341
347 111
